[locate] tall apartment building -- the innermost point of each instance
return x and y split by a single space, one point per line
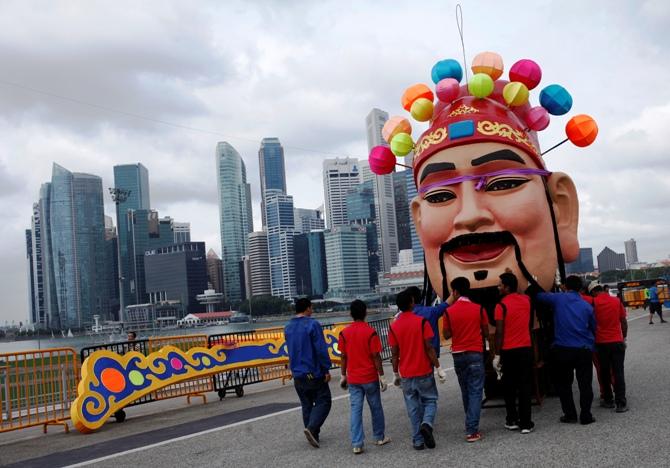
280 229
340 175
272 169
631 251
259 265
347 261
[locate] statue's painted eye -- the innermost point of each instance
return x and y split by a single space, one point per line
440 196
504 184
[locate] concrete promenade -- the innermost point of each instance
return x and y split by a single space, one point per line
264 428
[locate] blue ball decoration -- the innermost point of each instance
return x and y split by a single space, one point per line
449 68
556 99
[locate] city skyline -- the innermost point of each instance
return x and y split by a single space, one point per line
265 57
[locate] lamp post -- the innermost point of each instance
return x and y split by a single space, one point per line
119 196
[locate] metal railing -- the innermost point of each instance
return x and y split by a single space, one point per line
37 388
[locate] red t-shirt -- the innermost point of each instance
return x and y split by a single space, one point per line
587 298
358 342
409 332
608 311
464 319
516 329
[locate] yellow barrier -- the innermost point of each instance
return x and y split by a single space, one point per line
37 388
190 388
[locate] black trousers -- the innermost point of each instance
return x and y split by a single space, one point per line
611 357
315 400
570 362
517 369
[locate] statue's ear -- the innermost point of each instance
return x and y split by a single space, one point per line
566 208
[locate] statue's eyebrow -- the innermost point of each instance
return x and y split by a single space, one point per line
436 167
500 155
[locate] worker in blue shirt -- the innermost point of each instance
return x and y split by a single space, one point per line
430 313
574 337
655 304
310 366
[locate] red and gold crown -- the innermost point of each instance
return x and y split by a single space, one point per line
485 109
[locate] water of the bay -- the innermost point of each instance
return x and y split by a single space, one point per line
79 342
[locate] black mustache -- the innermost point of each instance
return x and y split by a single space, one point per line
500 237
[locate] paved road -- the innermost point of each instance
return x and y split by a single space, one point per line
264 429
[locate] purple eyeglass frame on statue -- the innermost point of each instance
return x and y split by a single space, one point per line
482 178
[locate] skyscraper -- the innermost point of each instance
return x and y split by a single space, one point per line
307 220
182 232
310 264
214 271
384 197
78 244
135 178
340 175
361 211
347 261
272 169
259 265
33 313
44 240
631 251
583 264
235 217
280 227
403 219
34 243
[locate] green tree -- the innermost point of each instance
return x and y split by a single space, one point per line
266 305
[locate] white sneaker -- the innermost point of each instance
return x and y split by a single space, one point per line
512 427
383 441
358 450
527 430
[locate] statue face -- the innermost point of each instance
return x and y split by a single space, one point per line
477 222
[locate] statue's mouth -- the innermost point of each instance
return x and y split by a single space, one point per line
481 247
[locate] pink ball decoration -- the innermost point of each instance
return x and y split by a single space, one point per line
489 63
527 72
382 160
395 125
447 90
537 118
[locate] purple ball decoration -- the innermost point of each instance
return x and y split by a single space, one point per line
556 99
527 72
447 90
537 118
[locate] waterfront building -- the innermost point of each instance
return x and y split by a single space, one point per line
583 264
177 272
340 175
609 260
361 211
135 179
235 216
259 265
631 251
347 261
272 170
280 230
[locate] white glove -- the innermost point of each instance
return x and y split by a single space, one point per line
441 374
343 382
497 366
396 379
382 383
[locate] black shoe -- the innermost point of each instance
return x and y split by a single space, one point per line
664 321
311 438
588 420
621 408
651 323
567 420
427 433
419 447
607 404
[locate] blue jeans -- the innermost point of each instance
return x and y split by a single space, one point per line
315 400
371 392
421 401
469 368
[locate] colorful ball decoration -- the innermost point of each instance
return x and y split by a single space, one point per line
489 63
515 94
537 118
581 130
413 93
527 72
449 68
395 125
422 110
556 99
447 90
402 144
382 160
481 85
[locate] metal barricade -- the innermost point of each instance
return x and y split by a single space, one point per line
382 327
189 388
37 388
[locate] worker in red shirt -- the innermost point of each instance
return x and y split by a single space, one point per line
513 344
413 359
363 374
611 331
467 326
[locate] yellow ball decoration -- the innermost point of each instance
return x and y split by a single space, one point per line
480 85
422 109
515 93
402 144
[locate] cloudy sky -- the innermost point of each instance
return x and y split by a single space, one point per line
308 74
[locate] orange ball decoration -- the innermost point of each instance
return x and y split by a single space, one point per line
413 93
581 130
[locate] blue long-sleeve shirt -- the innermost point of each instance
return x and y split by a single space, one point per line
574 322
432 314
653 294
307 349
